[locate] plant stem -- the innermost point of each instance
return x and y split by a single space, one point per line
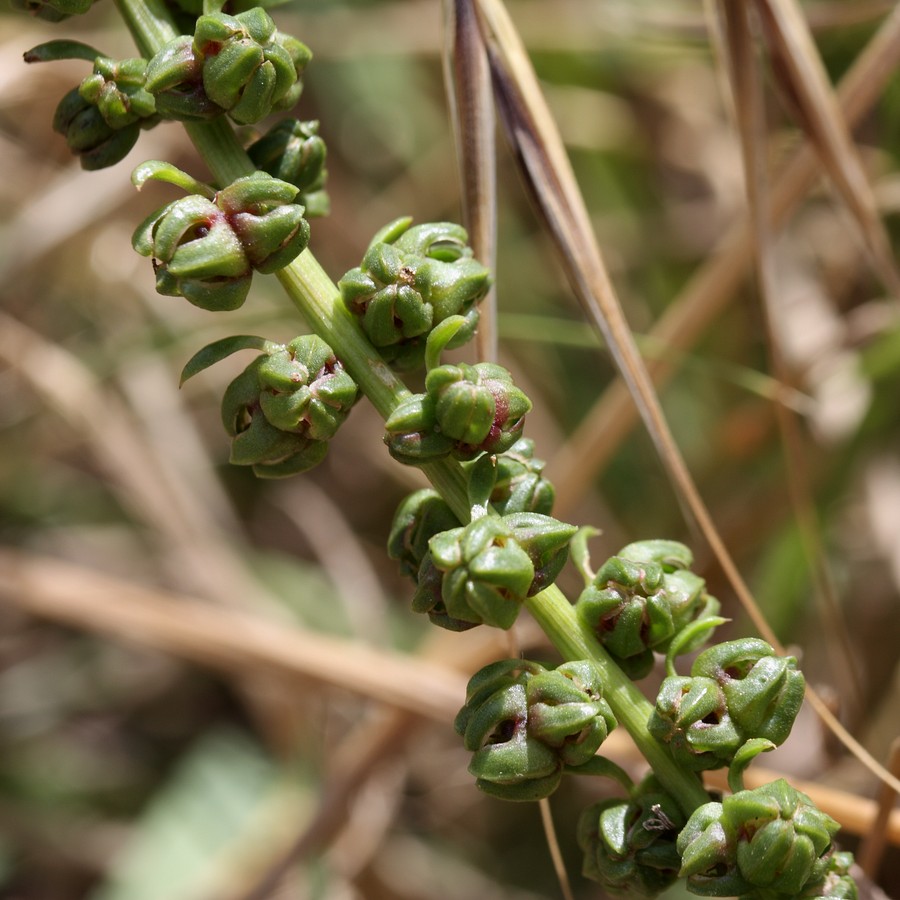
318 299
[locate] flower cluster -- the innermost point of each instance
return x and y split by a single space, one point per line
767 843
629 844
641 599
526 725
409 281
237 64
465 411
206 246
282 410
292 151
737 691
481 573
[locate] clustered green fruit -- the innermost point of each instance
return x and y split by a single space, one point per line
629 844
766 844
292 151
526 725
410 280
282 410
481 573
206 248
465 411
641 599
239 64
737 691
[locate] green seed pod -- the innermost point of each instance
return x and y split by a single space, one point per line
546 541
525 723
268 223
419 518
767 842
478 407
285 406
175 78
691 718
520 485
409 281
763 691
116 88
206 247
486 573
412 434
566 711
293 152
248 69
89 136
629 845
196 254
641 599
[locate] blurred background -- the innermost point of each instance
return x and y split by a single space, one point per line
184 708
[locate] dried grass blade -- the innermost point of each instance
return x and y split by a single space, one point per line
549 178
558 200
709 290
467 78
805 85
745 78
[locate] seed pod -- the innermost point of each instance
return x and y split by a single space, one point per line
116 88
293 152
409 281
763 691
629 844
478 407
285 406
767 842
519 485
641 599
419 518
175 78
248 69
691 717
525 723
486 573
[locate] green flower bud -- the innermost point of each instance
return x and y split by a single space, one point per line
767 842
519 485
412 434
641 599
268 223
89 136
566 711
175 78
691 717
429 598
293 152
196 254
409 281
53 10
629 845
285 406
248 69
486 573
763 691
478 407
419 518
205 248
546 541
524 724
116 88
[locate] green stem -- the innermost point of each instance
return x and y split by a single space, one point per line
317 298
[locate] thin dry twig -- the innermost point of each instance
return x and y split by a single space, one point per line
228 640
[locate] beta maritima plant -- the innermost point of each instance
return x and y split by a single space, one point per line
481 544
